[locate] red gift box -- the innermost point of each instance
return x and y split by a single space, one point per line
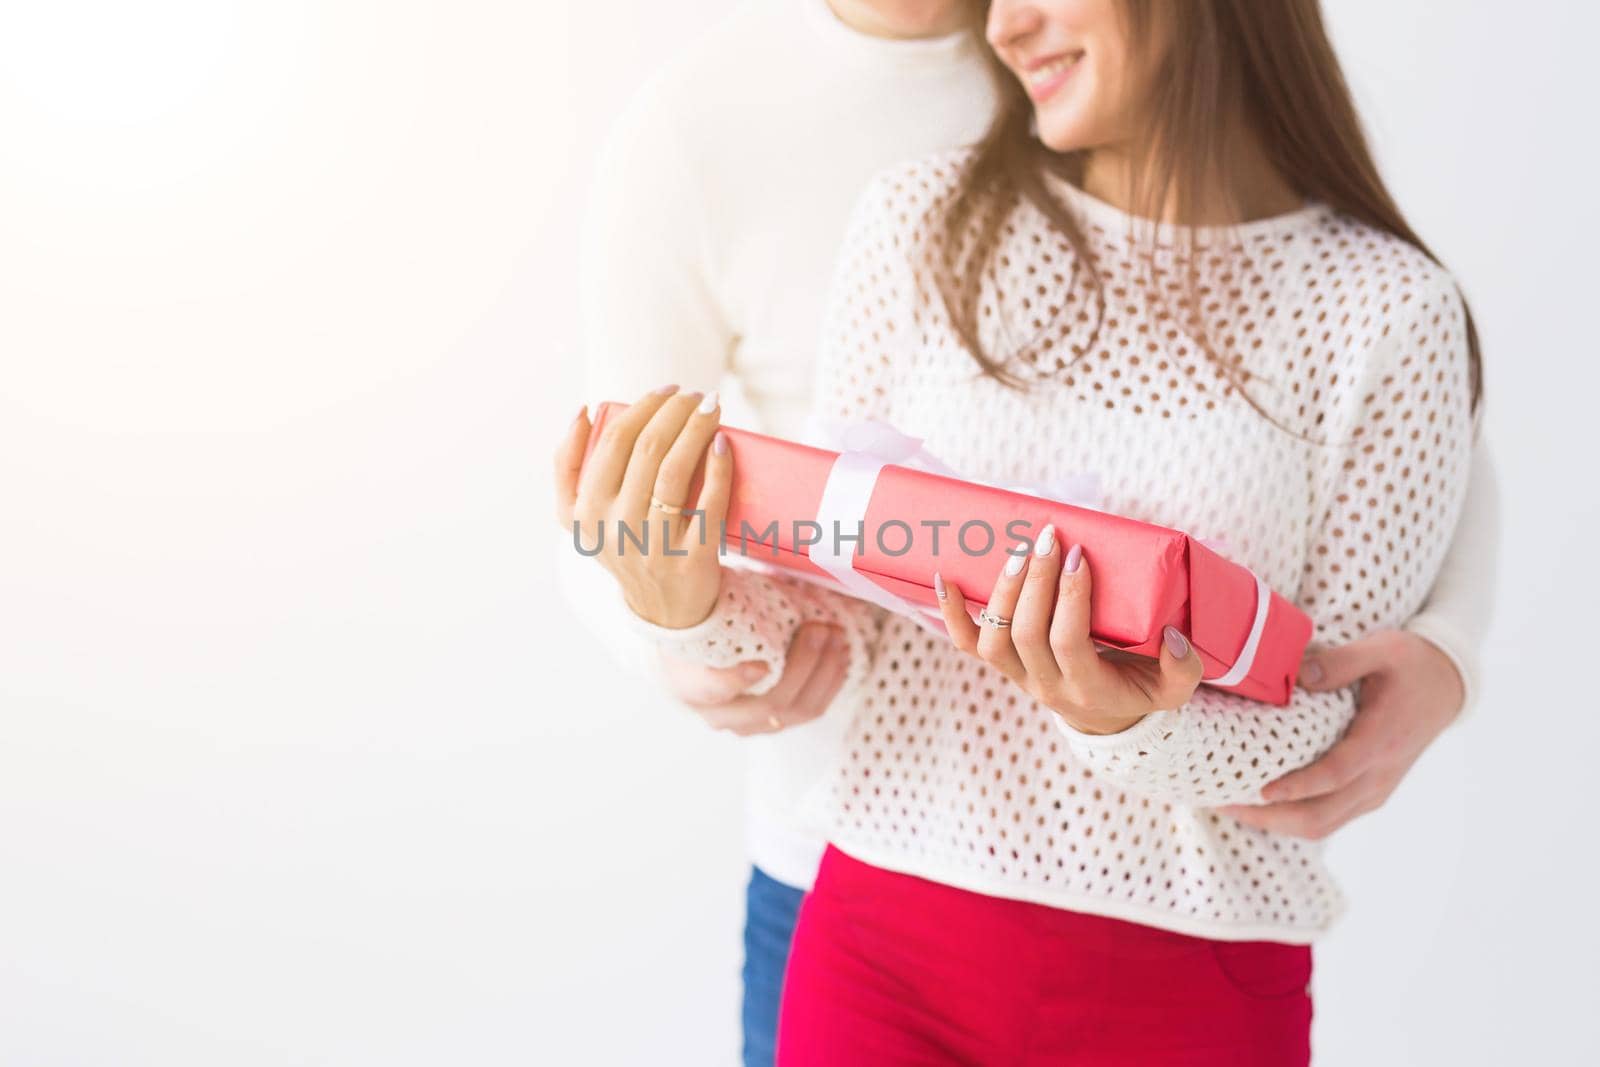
1146 577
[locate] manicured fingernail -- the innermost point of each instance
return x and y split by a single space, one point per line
583 413
1047 541
664 390
1177 644
752 672
1311 672
1014 561
1074 557
709 404
938 586
719 443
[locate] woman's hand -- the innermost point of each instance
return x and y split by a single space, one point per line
1036 632
637 480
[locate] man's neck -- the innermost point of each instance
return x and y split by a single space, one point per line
900 19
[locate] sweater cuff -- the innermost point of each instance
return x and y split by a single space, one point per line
1438 631
1135 743
724 638
685 635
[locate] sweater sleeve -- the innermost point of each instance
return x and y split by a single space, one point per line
756 614
649 313
648 293
1461 604
1387 492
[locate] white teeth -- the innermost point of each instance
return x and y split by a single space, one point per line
1050 70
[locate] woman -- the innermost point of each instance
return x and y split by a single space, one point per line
1171 262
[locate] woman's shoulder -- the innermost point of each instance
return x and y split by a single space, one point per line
1377 274
1361 303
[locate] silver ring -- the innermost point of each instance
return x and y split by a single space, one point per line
987 617
670 509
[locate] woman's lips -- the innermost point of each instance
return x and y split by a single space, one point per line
1044 78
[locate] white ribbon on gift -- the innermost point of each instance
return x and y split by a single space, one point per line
864 449
875 438
1252 643
844 500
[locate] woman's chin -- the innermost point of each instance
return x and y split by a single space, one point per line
1062 133
1061 142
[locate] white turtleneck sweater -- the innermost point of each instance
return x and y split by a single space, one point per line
714 225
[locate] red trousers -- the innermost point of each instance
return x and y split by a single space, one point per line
890 970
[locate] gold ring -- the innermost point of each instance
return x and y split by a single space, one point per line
774 722
670 509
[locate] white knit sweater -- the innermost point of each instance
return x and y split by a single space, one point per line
951 772
706 261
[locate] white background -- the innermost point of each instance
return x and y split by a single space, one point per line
300 761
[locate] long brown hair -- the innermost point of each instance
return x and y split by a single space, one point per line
1265 63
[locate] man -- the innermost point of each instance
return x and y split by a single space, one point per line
709 248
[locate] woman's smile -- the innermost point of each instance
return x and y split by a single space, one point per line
1044 76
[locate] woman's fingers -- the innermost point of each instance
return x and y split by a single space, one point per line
569 467
994 637
602 474
1046 594
957 623
1083 674
651 446
1030 622
1180 671
684 458
714 491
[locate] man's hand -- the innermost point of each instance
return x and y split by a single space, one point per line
812 674
1410 691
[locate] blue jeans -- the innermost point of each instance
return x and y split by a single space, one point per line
770 908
